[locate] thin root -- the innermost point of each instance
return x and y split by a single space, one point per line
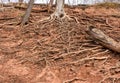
53 17
75 18
76 52
87 59
48 19
74 80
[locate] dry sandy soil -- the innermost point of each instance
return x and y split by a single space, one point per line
58 51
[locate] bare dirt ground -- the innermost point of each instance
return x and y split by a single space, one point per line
58 51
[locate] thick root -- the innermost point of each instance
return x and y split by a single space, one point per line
54 17
48 19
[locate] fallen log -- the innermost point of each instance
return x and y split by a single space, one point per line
103 39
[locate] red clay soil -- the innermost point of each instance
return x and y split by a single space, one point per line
58 51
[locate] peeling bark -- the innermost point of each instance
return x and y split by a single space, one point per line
103 39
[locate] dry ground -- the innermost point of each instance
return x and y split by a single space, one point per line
58 51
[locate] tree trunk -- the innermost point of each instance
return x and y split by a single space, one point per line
1 4
50 5
59 12
20 2
103 39
27 14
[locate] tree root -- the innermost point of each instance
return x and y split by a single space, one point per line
88 59
76 52
107 22
75 18
48 19
74 80
106 51
54 17
109 77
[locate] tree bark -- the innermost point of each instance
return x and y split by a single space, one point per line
50 5
1 4
20 2
103 39
59 12
9 1
28 11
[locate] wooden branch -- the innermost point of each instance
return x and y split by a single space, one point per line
103 39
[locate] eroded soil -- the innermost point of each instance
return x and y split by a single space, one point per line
58 51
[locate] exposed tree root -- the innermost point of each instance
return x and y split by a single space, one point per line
54 17
113 79
107 22
76 52
48 19
87 59
9 23
75 19
74 80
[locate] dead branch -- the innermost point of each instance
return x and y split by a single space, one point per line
103 39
